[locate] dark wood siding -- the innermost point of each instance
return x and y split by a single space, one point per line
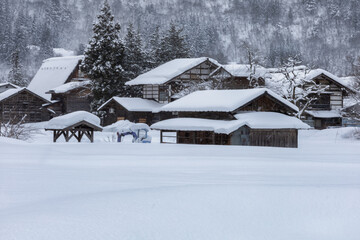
21 104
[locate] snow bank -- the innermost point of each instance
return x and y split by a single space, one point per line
125 126
220 100
135 104
71 119
168 71
5 140
53 73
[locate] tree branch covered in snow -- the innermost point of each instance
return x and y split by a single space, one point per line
300 90
15 129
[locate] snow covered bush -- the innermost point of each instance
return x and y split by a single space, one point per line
15 129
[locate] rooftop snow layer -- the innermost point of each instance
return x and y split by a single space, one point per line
325 114
69 86
270 120
73 118
242 70
8 83
125 126
168 71
53 73
9 93
136 104
255 120
220 100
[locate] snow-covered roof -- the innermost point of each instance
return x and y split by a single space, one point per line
11 92
72 119
257 120
275 80
270 120
70 86
325 114
135 104
8 83
53 73
168 71
220 100
242 70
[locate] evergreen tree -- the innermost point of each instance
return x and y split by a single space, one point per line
154 48
134 59
16 74
104 56
173 45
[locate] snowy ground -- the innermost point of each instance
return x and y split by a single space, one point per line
157 191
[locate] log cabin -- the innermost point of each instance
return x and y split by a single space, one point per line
136 110
19 103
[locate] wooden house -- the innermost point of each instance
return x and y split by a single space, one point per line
136 110
21 102
6 86
61 81
255 117
71 97
236 76
249 129
162 83
224 104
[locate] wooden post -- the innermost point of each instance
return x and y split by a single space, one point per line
161 136
54 136
67 135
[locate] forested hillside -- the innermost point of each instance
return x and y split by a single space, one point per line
325 33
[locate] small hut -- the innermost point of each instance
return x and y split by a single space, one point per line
76 124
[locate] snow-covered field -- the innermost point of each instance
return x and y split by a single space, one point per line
167 192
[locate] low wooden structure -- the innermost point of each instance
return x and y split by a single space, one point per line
77 125
250 129
17 103
135 110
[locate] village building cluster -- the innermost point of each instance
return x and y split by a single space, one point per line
178 98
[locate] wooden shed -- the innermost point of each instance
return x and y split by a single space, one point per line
250 129
18 103
136 110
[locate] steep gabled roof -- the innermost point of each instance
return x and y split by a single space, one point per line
53 73
134 104
220 100
10 84
169 71
11 92
67 87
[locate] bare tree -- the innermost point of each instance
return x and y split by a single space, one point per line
300 90
253 60
15 128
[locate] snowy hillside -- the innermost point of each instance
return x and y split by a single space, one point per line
161 191
325 33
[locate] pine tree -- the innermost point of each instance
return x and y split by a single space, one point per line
154 48
134 59
16 74
173 45
104 56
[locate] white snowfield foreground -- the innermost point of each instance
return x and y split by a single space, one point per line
125 191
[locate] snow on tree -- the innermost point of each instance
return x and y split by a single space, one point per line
104 59
253 60
16 74
173 44
299 89
134 59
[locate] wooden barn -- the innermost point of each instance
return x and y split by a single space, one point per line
161 84
224 104
250 129
71 97
136 110
20 102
